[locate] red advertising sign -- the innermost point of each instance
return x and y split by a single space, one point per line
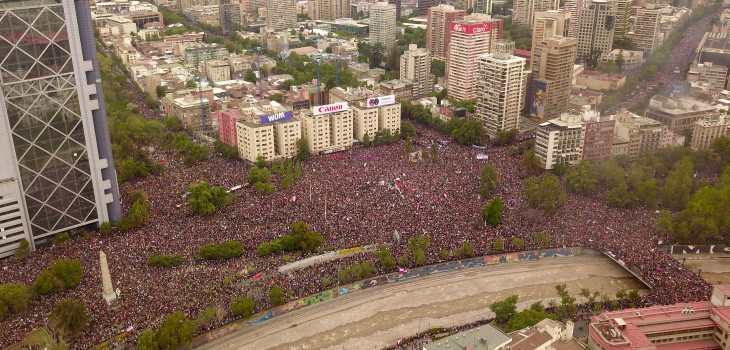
471 29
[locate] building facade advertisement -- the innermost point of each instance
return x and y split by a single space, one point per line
537 107
471 29
381 101
326 109
278 117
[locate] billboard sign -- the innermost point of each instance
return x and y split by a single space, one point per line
539 99
278 117
326 109
381 101
471 28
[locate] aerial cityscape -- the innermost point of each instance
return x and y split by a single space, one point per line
364 174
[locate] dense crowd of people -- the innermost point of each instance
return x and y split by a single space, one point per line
357 197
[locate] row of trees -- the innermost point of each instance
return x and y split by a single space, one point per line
356 271
222 251
165 260
459 129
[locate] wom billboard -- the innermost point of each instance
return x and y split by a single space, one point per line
471 28
278 117
381 101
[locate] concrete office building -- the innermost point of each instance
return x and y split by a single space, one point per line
230 15
623 19
57 169
187 108
483 6
560 141
281 15
715 76
438 32
227 126
596 26
687 326
424 5
647 37
267 129
415 66
501 88
598 139
573 7
398 8
330 10
552 72
550 23
216 70
328 127
382 24
678 113
709 128
524 10
369 119
643 134
470 38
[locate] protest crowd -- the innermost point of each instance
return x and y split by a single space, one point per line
354 198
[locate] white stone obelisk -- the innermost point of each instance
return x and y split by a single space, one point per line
106 280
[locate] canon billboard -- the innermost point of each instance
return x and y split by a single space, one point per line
326 109
471 29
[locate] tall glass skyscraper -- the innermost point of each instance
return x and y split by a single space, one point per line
56 165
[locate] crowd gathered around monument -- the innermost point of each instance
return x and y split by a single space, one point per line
358 197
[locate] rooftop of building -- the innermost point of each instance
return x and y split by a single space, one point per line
717 42
565 121
715 120
486 337
395 84
681 105
596 75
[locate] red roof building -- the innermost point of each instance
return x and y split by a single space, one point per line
686 326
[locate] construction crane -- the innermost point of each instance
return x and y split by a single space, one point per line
318 60
257 49
337 67
200 90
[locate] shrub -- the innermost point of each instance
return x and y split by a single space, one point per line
225 250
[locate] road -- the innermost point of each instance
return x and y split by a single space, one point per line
377 317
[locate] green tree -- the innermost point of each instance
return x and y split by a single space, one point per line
105 228
504 309
620 197
467 250
276 295
581 178
409 147
366 140
609 173
438 68
547 193
14 297
647 192
434 152
407 130
176 331
205 199
527 318
531 162
261 162
518 243
302 149
489 178
161 91
138 214
147 341
250 76
173 123
492 212
307 240
72 316
678 185
23 250
243 307
190 84
542 240
498 244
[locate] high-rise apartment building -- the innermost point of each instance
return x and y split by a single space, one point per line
415 65
708 129
230 15
470 38
398 8
327 127
623 19
330 10
552 74
281 14
646 29
560 141
424 5
56 164
501 87
643 134
483 6
438 33
573 7
597 22
550 23
382 24
524 10
598 140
